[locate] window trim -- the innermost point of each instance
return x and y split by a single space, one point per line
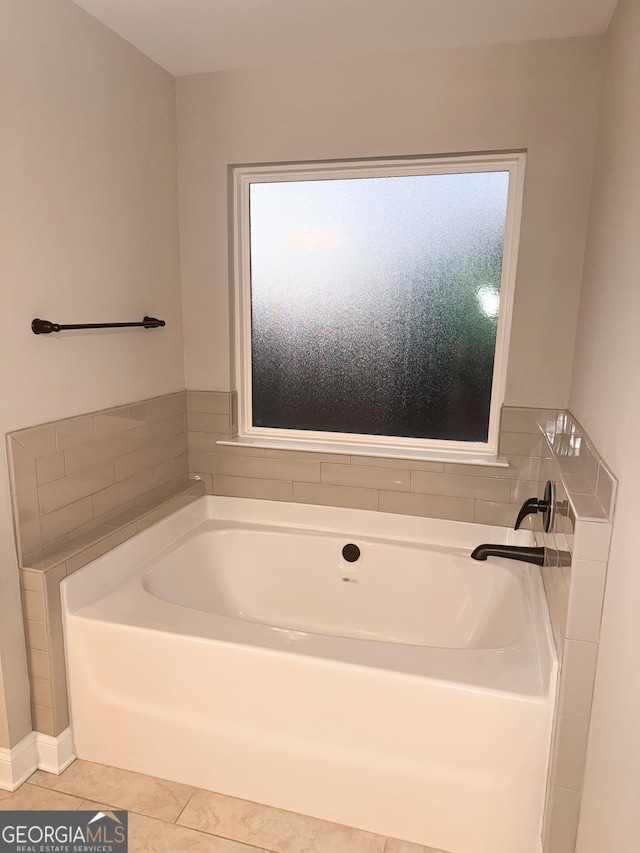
243 176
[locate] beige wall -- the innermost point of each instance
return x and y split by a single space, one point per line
605 397
88 231
542 96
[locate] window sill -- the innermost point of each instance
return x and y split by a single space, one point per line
346 449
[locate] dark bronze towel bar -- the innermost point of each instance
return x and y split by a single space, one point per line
45 327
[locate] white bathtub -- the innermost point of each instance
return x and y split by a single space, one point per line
409 693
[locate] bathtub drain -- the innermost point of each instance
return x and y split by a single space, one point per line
351 552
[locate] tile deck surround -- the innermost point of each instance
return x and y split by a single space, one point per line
83 485
167 817
80 487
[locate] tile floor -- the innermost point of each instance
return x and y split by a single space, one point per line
167 817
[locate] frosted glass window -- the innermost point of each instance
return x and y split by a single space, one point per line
374 303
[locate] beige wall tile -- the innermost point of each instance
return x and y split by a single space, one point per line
52 608
207 480
205 422
60 710
158 431
57 667
214 463
41 693
308 456
525 468
562 824
570 750
75 431
42 719
522 490
56 524
31 580
38 440
99 450
142 413
206 442
33 605
520 444
74 487
586 597
171 470
605 491
451 485
170 405
89 533
577 677
210 402
247 487
520 420
590 464
22 470
50 468
38 661
113 421
162 511
328 495
586 506
122 517
591 540
494 512
395 479
576 484
429 506
149 457
165 490
390 462
36 635
29 532
120 494
279 469
464 470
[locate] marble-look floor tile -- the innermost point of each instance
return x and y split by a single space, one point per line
33 798
121 789
274 829
149 835
394 846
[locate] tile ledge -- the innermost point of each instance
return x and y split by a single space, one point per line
33 562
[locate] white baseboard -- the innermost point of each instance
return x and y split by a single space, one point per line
35 752
55 754
17 764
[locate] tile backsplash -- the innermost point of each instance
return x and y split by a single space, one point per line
484 494
574 585
77 476
83 485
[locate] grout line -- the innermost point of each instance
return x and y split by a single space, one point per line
189 798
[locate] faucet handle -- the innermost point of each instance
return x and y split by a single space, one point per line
546 505
529 507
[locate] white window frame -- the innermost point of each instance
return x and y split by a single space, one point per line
370 445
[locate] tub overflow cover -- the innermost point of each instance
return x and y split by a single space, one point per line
351 552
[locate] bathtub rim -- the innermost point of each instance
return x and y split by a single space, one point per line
94 591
